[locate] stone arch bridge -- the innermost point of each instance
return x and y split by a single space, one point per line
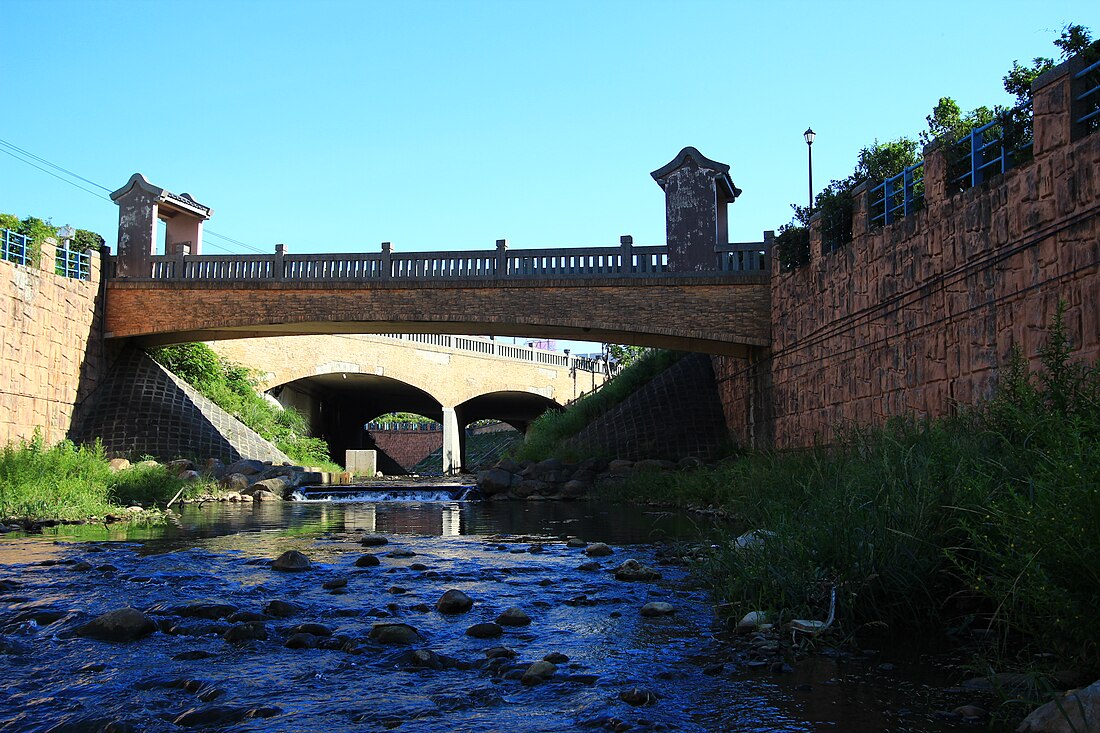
341 382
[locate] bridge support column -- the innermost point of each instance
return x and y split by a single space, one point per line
452 442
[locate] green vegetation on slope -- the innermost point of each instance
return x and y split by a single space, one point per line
983 520
547 434
66 481
232 388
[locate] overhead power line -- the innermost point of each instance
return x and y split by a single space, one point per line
29 158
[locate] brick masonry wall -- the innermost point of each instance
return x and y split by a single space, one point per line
720 314
919 316
407 447
52 350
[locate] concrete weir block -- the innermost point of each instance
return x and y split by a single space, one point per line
362 462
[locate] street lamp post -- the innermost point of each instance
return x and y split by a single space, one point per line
809 136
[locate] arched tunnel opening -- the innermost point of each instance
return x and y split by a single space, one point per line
515 408
338 407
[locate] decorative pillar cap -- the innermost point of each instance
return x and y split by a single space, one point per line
693 156
170 203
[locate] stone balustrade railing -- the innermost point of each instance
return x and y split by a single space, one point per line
625 260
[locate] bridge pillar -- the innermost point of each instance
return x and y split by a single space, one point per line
452 442
697 192
140 205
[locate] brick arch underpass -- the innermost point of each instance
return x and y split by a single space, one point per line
341 382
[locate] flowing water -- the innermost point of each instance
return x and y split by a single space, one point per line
502 554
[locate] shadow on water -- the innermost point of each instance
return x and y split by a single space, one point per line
502 554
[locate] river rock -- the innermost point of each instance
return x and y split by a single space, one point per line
312 628
751 621
373 540
538 672
1077 712
598 549
302 640
513 616
575 489
262 495
118 464
401 552
555 658
291 561
632 570
122 624
425 659
657 608
241 617
335 583
203 609
498 652
575 543
484 631
249 631
367 561
654 464
638 696
454 601
620 467
281 609
218 716
494 481
237 482
245 466
394 634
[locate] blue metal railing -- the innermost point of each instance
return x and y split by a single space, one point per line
992 148
15 248
71 263
898 196
1087 102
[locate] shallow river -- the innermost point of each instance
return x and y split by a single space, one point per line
54 680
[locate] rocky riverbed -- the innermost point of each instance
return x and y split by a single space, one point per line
297 617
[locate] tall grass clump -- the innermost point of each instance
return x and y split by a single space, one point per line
232 388
67 481
547 434
987 519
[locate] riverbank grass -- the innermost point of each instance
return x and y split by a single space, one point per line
984 521
66 481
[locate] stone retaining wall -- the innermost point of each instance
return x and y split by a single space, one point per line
52 347
919 316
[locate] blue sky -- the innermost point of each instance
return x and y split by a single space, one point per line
334 126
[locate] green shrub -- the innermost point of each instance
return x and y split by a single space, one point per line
232 388
987 518
67 481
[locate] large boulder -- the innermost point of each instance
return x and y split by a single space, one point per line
494 481
454 601
246 466
1077 712
122 624
399 634
277 486
291 561
632 570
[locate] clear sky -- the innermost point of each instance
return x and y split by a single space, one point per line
334 126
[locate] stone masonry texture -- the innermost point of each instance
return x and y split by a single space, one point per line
676 414
142 409
918 317
52 347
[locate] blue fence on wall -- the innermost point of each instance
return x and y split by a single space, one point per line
15 247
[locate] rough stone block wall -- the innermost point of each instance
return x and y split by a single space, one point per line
52 350
918 317
677 414
142 409
407 447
